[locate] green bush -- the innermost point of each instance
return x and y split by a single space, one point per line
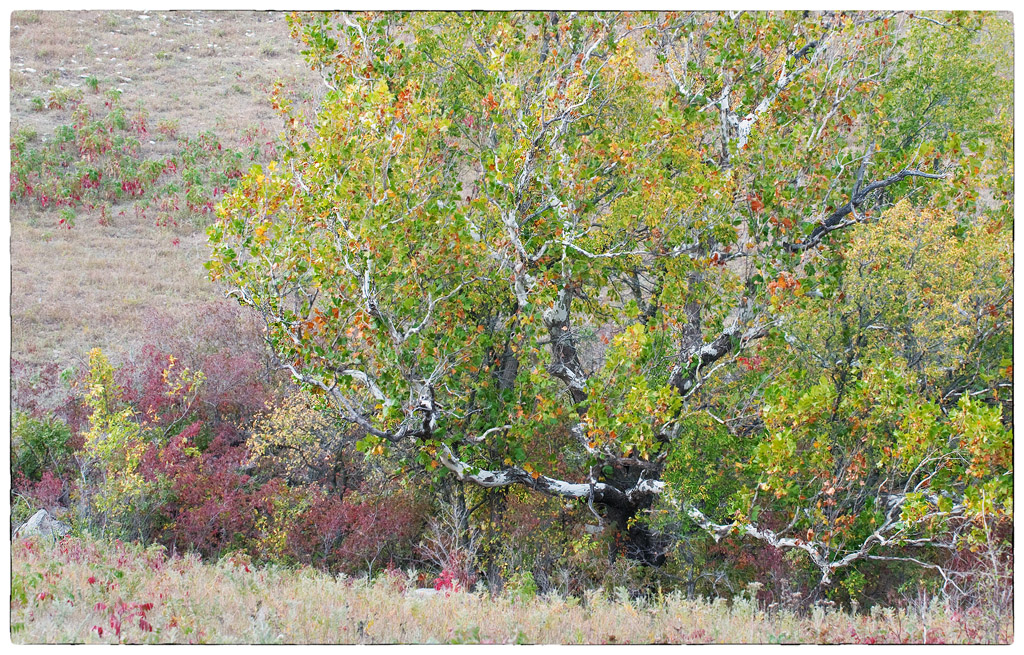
38 445
522 585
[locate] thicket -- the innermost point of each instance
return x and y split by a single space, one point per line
209 451
163 457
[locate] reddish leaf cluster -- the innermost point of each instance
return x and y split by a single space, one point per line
353 535
44 493
213 505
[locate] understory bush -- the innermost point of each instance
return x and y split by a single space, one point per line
38 446
171 455
207 453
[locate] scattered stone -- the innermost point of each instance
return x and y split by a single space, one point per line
44 525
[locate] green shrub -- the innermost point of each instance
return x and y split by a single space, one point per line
64 98
38 445
522 585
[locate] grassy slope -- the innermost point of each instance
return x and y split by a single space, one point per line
54 601
95 286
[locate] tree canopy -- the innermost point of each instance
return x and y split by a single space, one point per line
751 271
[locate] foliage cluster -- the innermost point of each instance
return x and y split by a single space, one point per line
163 463
95 162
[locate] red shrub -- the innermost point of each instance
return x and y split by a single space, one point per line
43 494
143 386
38 390
355 536
378 526
211 505
448 581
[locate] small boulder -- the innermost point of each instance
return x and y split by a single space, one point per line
44 525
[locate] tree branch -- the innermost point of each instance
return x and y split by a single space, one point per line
598 491
835 220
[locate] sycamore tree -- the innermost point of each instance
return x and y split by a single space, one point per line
574 251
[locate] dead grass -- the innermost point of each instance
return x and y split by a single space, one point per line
63 593
74 290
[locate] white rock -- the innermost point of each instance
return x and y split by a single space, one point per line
44 525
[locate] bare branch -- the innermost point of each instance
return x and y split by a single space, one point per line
835 220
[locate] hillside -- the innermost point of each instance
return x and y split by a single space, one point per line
193 72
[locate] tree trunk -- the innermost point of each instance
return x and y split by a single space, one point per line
633 540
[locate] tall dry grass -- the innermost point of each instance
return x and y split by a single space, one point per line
82 590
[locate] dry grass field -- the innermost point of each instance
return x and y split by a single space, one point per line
95 285
79 591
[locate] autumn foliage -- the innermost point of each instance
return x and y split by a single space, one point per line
716 303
